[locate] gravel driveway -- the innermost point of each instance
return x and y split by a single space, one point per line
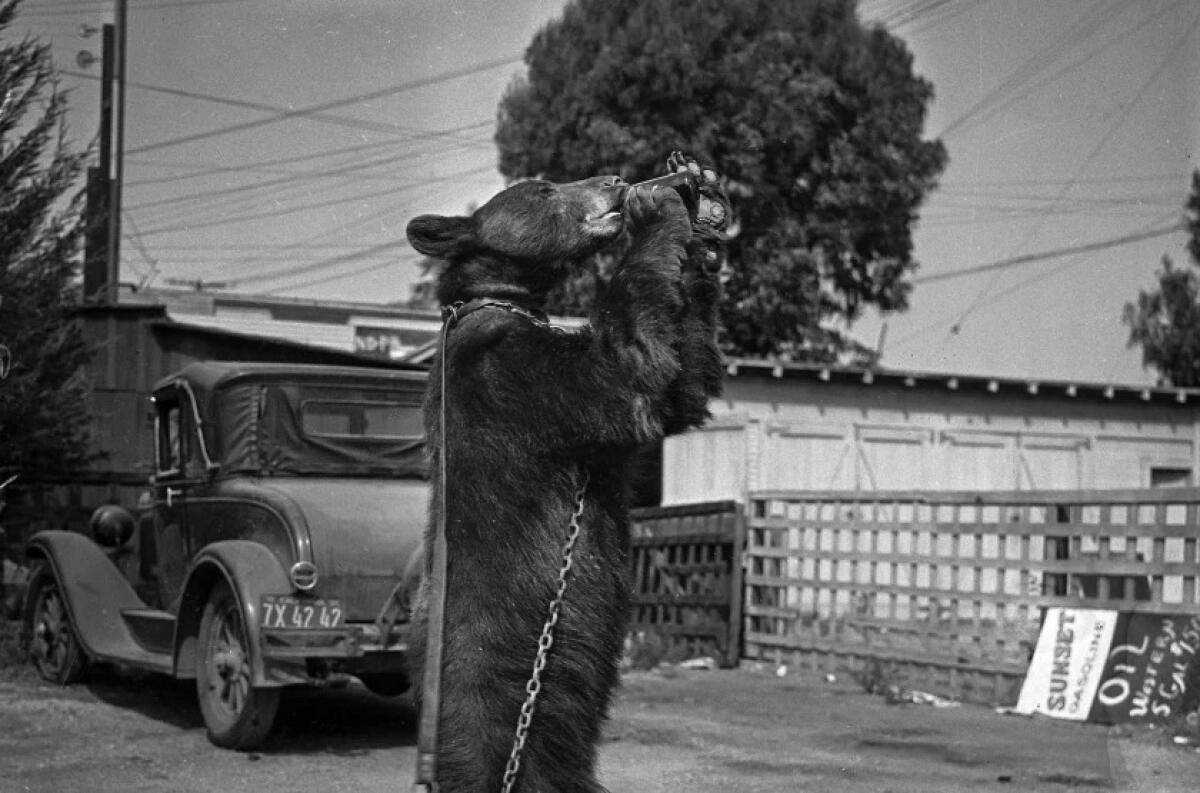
673 730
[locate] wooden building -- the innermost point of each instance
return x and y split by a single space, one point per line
799 427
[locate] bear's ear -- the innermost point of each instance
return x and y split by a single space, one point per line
442 237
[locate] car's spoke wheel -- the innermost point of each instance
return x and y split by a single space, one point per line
53 647
238 714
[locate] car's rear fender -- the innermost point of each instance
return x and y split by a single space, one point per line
251 572
95 593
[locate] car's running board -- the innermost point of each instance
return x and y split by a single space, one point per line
153 629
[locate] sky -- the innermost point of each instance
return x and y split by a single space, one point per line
280 147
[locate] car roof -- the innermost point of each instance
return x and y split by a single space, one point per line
208 376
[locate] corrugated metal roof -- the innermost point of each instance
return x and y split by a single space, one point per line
316 334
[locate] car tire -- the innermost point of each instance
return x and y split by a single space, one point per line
54 648
237 713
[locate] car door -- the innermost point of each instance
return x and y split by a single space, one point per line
176 472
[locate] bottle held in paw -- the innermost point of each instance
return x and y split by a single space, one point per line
684 183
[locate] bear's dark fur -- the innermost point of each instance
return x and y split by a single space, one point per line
530 411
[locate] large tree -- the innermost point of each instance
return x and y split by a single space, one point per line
44 422
1165 322
815 119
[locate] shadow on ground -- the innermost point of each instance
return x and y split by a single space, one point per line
345 720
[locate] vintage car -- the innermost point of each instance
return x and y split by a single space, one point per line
278 544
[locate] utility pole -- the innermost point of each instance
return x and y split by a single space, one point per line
99 190
118 156
102 257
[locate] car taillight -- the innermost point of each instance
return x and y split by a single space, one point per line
303 575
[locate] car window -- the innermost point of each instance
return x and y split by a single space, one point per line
170 439
179 449
366 419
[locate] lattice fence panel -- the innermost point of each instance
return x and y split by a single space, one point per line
951 587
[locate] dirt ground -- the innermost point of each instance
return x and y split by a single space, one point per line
673 730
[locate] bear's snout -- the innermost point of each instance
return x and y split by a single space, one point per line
601 198
606 191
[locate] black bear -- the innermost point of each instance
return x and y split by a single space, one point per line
541 426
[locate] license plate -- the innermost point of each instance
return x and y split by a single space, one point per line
285 611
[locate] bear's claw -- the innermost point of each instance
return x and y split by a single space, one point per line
710 208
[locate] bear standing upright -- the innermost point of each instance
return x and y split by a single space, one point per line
541 426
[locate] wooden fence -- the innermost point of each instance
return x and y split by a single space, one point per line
687 579
946 590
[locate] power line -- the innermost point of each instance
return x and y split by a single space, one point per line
999 105
996 297
971 221
336 260
966 5
235 246
961 219
1091 155
199 170
302 248
1054 253
76 9
205 207
289 177
911 12
951 321
287 114
362 220
278 110
1097 17
331 262
960 212
200 210
140 244
948 185
324 262
275 213
335 277
962 194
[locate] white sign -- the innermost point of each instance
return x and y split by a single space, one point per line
1068 663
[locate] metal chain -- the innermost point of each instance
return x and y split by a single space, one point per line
545 642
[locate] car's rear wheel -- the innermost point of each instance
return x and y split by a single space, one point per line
54 648
238 714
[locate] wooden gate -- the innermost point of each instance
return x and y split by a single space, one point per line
687 578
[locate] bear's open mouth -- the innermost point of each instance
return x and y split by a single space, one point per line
606 221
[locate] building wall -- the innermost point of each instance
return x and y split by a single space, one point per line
804 434
370 330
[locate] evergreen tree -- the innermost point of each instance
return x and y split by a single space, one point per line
815 119
1165 322
44 420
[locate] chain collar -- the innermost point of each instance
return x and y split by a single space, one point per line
456 312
